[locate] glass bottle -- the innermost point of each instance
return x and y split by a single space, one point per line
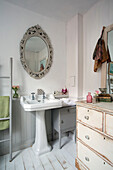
89 98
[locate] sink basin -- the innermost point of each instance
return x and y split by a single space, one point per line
37 105
41 145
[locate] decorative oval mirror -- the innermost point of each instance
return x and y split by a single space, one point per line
36 52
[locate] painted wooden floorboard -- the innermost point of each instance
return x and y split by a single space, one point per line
69 151
62 160
2 162
35 160
68 157
71 148
28 165
9 165
56 165
18 162
57 159
45 162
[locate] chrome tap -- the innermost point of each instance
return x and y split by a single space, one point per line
44 95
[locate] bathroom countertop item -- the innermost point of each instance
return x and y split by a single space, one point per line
59 96
68 102
4 112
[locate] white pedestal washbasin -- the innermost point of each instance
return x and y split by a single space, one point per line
41 144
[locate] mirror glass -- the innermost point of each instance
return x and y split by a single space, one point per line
110 44
110 47
36 54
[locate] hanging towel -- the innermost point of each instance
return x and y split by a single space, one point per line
4 112
100 54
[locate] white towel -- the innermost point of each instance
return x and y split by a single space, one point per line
68 101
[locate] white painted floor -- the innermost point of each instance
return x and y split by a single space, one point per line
57 159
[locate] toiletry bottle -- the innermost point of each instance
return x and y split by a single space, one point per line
89 98
64 90
32 96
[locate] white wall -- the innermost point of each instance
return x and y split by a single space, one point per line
14 21
74 33
101 14
71 39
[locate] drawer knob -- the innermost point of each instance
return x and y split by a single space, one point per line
87 159
62 121
87 137
86 117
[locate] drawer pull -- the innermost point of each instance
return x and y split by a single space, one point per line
88 110
87 137
86 117
62 121
87 159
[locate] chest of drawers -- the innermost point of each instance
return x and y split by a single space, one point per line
94 137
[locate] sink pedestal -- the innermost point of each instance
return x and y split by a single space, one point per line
41 144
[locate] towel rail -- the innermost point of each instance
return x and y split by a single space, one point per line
6 118
5 77
10 127
10 112
5 140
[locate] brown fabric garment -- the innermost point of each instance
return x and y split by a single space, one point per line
100 54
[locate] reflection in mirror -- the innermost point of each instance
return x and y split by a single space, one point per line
36 54
110 44
110 47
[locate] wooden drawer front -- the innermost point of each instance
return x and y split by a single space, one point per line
90 159
68 119
90 117
109 125
68 110
98 142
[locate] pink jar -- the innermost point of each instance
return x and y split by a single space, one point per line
64 90
89 98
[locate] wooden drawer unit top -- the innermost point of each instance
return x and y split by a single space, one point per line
109 124
90 159
90 117
103 145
